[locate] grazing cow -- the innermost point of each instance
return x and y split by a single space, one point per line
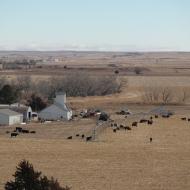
156 116
143 120
184 118
19 129
150 122
89 138
114 130
77 135
82 136
69 137
32 132
128 128
14 134
134 124
121 126
150 139
25 131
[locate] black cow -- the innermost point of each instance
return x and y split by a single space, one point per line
150 139
33 132
121 126
184 118
143 120
188 119
156 116
70 137
14 134
134 124
77 135
114 130
150 122
89 138
82 136
19 129
127 128
25 131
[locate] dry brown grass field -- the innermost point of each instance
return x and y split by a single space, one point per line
122 160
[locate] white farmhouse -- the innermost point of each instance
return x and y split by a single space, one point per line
57 111
9 117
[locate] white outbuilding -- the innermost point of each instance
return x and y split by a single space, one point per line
9 117
59 110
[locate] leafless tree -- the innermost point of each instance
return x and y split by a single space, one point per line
166 95
184 95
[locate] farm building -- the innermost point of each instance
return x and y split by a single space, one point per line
9 117
58 110
25 110
20 108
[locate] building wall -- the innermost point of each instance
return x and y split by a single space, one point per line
54 113
4 119
16 119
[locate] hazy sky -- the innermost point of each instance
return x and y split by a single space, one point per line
128 25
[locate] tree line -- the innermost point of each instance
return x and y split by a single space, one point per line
38 93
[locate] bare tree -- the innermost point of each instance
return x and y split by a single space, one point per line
151 94
24 85
184 95
166 95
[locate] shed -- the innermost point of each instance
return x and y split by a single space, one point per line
9 117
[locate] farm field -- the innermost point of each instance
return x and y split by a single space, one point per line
122 160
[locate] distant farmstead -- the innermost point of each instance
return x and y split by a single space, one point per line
58 110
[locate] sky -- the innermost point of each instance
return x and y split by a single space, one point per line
100 25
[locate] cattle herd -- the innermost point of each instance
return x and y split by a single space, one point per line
82 136
19 130
114 126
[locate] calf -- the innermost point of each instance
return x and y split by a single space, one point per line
134 124
70 137
14 134
89 138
